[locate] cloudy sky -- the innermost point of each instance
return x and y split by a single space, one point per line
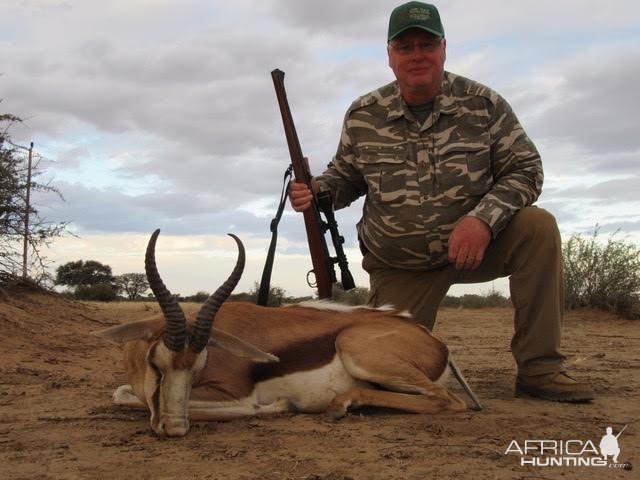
161 114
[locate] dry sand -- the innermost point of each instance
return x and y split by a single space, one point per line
57 420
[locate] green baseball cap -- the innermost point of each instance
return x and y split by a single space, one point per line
415 15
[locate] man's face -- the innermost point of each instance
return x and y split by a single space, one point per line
417 60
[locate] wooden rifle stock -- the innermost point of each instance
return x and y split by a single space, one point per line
320 259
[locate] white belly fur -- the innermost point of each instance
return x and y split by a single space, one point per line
309 391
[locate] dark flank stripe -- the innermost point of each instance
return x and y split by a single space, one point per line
298 357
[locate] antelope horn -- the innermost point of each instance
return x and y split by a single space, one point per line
176 325
204 319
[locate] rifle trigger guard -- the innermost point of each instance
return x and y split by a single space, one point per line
315 283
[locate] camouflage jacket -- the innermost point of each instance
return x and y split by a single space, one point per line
470 157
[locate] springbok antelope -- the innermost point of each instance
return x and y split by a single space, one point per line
324 357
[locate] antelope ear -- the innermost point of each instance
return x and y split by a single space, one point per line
239 347
128 332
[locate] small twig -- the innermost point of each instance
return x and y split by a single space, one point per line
83 418
100 322
626 337
432 444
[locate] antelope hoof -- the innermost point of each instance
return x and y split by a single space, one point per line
336 414
338 409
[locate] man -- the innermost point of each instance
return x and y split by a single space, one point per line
449 177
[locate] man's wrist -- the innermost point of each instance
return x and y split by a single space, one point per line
482 221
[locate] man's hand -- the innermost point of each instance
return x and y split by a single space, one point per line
299 196
468 242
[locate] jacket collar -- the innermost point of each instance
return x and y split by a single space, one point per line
445 102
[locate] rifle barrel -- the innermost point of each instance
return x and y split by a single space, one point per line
312 221
620 432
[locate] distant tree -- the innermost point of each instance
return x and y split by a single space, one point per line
90 280
134 285
199 297
277 296
493 298
243 297
14 184
84 273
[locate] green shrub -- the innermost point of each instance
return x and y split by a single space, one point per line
199 297
277 296
602 275
470 300
355 296
99 292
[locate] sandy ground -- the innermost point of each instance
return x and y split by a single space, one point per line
57 420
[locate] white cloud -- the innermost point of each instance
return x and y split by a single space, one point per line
594 106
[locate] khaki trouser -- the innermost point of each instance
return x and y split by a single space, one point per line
529 251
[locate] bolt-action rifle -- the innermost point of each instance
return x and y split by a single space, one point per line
323 263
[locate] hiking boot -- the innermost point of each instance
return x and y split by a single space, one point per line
556 387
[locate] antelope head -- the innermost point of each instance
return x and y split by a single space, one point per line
175 355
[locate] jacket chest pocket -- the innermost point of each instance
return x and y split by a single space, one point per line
385 171
464 169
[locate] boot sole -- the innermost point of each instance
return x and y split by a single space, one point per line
563 397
